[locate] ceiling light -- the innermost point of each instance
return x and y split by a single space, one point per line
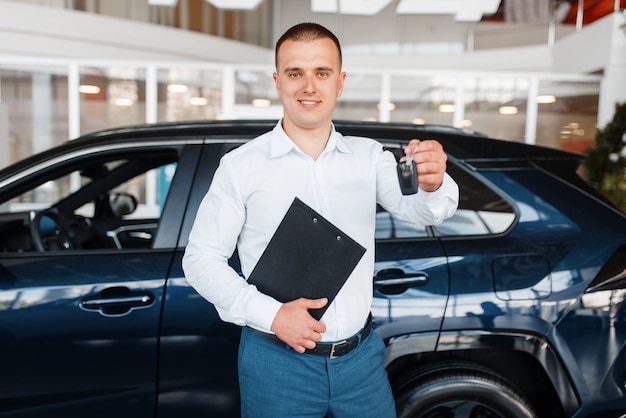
349 7
389 106
167 3
261 102
507 110
546 99
177 88
235 4
463 10
198 101
88 89
123 102
324 6
446 108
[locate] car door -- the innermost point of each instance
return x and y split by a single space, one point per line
410 277
410 280
198 353
79 327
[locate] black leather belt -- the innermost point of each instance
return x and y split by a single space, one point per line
330 350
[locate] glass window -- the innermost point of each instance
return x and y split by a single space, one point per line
481 212
423 100
496 107
255 95
33 110
110 97
567 114
95 204
360 98
388 227
189 94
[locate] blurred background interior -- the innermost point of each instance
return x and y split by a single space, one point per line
543 72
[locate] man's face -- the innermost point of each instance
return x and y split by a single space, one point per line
308 81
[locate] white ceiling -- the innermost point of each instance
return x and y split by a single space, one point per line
462 10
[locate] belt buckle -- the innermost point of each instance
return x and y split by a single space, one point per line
334 346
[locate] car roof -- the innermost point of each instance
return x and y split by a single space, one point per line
463 144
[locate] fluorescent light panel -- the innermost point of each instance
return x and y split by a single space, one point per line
235 4
177 88
463 10
166 3
88 89
507 110
546 99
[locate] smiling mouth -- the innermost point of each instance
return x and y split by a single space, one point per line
309 102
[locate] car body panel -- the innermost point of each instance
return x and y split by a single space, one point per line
68 357
198 355
525 279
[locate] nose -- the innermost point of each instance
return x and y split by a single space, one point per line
309 86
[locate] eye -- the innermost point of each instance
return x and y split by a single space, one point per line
323 74
293 75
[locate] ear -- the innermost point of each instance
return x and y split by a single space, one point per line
342 79
276 81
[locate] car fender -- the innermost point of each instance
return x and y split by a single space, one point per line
425 347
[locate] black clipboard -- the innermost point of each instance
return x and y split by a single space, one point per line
307 257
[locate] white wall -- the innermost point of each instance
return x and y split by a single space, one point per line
599 48
39 31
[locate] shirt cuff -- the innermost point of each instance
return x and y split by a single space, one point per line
261 311
443 201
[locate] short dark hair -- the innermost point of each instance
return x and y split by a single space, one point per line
306 32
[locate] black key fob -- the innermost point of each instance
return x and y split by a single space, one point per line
407 176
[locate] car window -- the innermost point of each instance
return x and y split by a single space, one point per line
481 211
96 203
388 227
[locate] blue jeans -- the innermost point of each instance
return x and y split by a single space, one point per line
276 381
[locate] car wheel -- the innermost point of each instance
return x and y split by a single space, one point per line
460 390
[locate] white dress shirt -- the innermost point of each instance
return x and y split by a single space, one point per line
251 191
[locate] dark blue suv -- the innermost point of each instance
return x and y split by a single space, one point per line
512 308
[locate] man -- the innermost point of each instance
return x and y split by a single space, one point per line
287 367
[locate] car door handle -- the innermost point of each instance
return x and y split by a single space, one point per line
117 301
395 281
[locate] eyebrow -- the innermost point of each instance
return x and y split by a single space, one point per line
289 69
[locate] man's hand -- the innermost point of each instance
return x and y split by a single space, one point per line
430 160
296 327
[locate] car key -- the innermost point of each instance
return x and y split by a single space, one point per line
407 176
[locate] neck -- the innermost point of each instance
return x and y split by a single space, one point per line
312 142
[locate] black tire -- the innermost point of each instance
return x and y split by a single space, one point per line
460 390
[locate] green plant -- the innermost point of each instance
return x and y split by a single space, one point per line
605 164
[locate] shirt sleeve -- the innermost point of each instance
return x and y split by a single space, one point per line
212 241
422 208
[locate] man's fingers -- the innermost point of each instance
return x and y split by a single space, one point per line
431 161
413 147
295 326
314 303
307 341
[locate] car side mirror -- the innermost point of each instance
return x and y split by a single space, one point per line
122 204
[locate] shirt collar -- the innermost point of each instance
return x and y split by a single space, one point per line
281 144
